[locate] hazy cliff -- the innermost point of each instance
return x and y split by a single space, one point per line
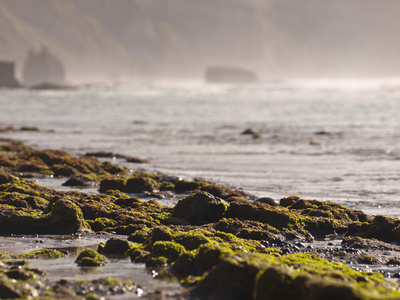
84 45
181 38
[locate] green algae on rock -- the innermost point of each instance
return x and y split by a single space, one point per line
295 276
43 254
17 158
116 246
90 258
64 216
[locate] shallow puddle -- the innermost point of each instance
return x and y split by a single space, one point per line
66 268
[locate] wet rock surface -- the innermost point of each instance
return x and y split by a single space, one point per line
216 241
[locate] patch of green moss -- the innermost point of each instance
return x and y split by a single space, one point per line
294 276
7 255
140 236
43 254
191 240
100 224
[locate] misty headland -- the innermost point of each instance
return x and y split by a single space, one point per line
179 40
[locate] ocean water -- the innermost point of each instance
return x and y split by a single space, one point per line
337 141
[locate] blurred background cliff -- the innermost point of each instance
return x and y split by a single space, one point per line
180 39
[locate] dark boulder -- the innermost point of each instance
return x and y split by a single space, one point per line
218 74
7 75
140 185
111 184
200 208
65 217
116 247
6 178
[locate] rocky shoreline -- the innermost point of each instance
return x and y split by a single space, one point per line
218 242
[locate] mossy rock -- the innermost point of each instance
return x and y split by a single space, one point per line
19 274
253 234
185 265
200 208
140 185
294 276
8 290
66 217
43 254
6 178
208 256
139 255
100 224
140 236
275 216
63 217
288 201
161 234
381 228
90 258
116 246
112 184
184 186
52 157
169 250
80 181
191 240
228 279
132 202
156 262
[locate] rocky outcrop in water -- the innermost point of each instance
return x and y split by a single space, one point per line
7 76
229 75
43 68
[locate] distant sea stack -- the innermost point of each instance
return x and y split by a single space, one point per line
7 75
43 67
229 75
